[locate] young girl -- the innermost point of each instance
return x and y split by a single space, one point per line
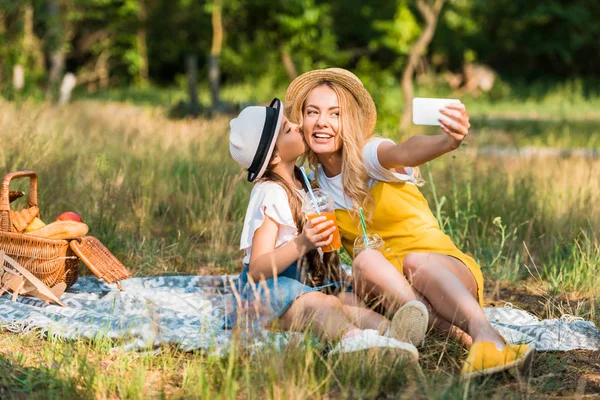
284 280
337 115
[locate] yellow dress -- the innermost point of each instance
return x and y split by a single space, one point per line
405 222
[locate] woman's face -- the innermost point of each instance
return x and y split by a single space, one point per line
321 121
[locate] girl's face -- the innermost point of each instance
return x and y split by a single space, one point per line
290 144
321 120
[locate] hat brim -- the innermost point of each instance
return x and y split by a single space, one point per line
268 140
339 76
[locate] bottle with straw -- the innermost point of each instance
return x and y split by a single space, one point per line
320 203
310 191
364 226
366 241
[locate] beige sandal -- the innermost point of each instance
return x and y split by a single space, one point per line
409 324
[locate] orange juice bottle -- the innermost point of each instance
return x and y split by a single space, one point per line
324 208
336 243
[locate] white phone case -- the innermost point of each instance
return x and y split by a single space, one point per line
426 111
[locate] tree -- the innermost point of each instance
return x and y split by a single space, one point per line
54 46
430 11
131 28
140 40
279 39
28 55
3 45
522 40
214 72
304 36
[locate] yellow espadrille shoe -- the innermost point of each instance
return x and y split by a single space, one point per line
485 359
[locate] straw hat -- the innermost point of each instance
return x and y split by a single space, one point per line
252 137
342 77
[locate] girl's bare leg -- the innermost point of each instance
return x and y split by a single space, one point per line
323 313
357 312
375 277
452 291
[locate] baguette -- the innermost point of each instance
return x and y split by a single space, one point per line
22 219
61 230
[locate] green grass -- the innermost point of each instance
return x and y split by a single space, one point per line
522 218
166 198
51 369
550 114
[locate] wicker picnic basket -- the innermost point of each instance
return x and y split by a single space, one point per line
53 260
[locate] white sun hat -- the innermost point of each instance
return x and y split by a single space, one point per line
252 137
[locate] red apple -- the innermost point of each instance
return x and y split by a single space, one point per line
69 216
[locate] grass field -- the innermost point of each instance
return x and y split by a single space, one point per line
166 198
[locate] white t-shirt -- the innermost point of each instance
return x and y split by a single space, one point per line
268 198
376 172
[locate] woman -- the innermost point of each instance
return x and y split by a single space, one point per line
419 262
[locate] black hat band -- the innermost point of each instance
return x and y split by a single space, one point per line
265 143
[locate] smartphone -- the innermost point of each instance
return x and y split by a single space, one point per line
426 111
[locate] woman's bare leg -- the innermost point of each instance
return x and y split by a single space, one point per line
375 277
452 291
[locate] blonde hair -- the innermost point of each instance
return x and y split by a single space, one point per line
353 132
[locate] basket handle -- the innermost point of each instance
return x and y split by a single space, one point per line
32 201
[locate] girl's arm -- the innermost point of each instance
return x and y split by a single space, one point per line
420 149
266 261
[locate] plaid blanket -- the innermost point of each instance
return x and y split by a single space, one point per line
187 311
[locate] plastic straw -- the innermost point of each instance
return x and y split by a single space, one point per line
310 191
364 226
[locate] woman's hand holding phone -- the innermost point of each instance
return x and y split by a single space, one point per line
450 114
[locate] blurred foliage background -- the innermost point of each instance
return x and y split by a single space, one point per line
530 47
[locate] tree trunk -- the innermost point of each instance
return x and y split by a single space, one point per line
18 77
430 13
55 49
2 32
191 66
32 56
141 43
101 69
2 22
288 64
66 87
214 72
57 66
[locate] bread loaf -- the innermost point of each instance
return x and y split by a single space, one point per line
22 219
61 230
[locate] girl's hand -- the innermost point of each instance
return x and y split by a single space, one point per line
317 232
457 125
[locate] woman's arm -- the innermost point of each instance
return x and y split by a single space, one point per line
266 261
420 149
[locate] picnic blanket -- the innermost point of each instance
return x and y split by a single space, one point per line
187 312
